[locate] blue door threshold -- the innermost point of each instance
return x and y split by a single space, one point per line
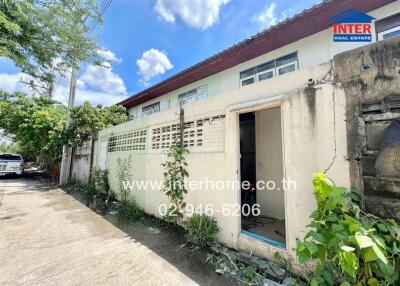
265 239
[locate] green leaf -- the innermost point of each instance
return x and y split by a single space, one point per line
345 284
379 253
303 253
372 281
349 263
312 247
317 236
354 225
382 227
328 277
369 255
347 248
363 241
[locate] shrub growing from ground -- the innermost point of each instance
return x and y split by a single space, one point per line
128 211
350 247
201 230
89 192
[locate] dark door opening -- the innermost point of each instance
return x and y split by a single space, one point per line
263 208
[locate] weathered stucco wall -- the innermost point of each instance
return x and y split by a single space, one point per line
324 128
313 129
92 154
370 78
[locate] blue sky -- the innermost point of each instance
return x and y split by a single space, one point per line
148 41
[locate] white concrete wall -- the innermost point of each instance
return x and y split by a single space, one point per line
310 145
82 156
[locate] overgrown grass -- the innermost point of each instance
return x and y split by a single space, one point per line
201 230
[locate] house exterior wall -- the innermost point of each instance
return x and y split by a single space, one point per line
307 122
314 136
313 50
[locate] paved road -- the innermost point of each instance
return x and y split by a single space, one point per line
49 238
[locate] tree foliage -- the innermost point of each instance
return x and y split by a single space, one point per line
87 119
350 247
39 123
44 37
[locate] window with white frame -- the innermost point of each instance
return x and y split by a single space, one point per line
151 108
269 69
389 27
193 94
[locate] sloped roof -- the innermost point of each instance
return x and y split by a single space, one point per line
304 24
352 16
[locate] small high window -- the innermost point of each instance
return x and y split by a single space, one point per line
269 69
388 27
193 95
151 108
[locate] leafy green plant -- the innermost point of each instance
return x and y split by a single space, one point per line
99 179
350 247
87 119
89 192
174 181
201 230
128 211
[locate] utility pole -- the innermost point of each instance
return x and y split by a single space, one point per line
67 150
65 169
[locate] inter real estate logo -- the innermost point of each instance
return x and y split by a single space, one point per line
352 26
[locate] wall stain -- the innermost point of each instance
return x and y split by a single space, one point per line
382 77
356 82
311 93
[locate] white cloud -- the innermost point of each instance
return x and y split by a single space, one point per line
267 17
270 17
199 14
108 55
13 82
103 79
97 85
152 64
61 93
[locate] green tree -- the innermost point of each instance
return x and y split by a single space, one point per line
38 124
44 38
87 119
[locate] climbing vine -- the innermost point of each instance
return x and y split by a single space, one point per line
174 181
351 247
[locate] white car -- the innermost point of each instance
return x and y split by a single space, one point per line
11 164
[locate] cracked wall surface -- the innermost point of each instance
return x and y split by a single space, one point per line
370 78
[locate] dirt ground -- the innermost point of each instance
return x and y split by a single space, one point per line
48 237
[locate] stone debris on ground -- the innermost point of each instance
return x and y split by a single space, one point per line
277 274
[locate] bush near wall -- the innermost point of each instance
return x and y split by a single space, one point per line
351 247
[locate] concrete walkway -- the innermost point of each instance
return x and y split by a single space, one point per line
49 238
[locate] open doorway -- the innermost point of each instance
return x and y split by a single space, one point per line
261 164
